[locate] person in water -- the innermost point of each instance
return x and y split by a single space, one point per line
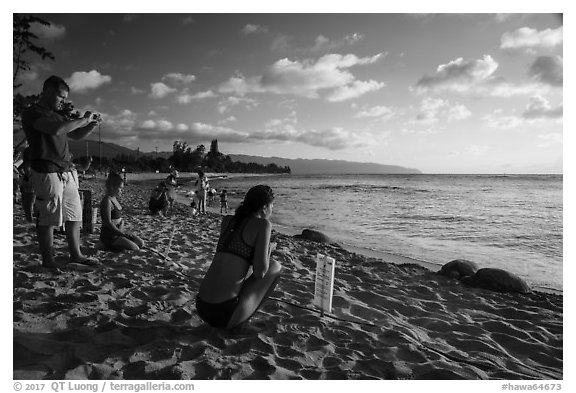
229 294
112 233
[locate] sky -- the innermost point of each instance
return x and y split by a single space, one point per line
442 93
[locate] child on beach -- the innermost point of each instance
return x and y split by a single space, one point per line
112 233
228 294
158 203
224 201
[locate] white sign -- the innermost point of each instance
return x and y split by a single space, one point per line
324 288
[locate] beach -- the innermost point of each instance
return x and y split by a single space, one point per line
132 317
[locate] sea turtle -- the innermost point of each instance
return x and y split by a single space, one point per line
458 268
315 236
498 280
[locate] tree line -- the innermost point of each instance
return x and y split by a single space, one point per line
186 159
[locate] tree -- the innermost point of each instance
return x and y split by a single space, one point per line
23 43
214 148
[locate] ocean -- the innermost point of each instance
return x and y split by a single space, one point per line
513 222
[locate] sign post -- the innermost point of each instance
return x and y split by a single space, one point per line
324 286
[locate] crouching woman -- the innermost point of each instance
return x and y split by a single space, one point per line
241 275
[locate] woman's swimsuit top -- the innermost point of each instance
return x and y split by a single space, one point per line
232 242
115 213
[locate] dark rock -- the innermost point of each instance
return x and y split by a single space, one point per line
498 280
458 269
315 236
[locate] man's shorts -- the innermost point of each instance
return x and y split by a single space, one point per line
57 197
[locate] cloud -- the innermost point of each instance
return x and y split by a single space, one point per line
322 43
81 82
226 104
284 43
532 40
477 77
185 98
334 138
433 110
459 75
308 78
52 32
160 90
383 113
539 108
354 90
503 122
177 77
548 70
254 29
122 124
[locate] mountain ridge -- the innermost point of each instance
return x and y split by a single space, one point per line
299 166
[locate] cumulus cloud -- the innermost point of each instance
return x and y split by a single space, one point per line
81 81
548 70
254 29
308 78
353 90
185 97
459 75
539 108
322 43
162 129
177 77
334 138
227 103
122 123
505 122
383 113
160 90
433 110
532 40
477 77
50 32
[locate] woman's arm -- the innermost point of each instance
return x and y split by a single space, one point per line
261 248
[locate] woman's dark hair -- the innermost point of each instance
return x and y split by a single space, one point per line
114 180
255 199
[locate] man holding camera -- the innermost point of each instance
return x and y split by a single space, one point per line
54 178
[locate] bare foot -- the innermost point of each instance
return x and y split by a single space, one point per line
84 260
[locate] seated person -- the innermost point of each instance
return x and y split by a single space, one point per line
112 233
158 203
229 293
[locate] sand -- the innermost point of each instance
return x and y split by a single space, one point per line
133 316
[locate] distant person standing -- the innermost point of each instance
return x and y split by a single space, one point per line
224 201
201 186
53 176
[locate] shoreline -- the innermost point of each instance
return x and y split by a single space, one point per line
367 252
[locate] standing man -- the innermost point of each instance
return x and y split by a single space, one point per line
53 177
